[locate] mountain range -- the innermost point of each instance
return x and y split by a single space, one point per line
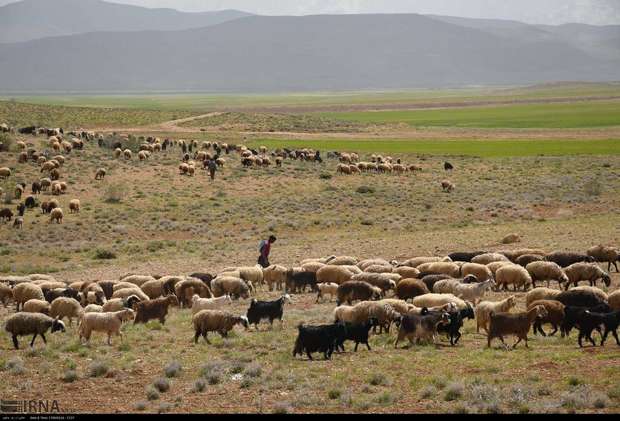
100 47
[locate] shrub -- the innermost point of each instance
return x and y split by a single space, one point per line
98 369
454 391
325 176
365 189
173 369
334 393
140 406
199 385
162 384
115 193
15 366
104 254
6 142
253 370
151 393
69 376
377 379
282 408
428 392
593 188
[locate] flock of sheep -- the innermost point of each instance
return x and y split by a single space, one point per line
422 296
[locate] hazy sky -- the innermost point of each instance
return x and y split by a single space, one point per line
597 12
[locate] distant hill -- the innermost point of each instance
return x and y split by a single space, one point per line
32 19
276 54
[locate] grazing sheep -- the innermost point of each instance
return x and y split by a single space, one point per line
235 287
416 327
26 291
63 307
138 280
100 174
436 300
18 223
540 293
515 275
555 316
127 154
365 311
154 309
74 206
406 272
526 259
565 259
5 173
410 288
118 304
297 280
153 289
37 306
604 254
546 271
334 274
275 277
127 292
447 186
206 321
185 289
6 214
518 324
614 300
327 288
473 292
602 295
513 255
312 266
118 152
6 294
579 298
93 308
432 279
486 258
266 310
56 215
383 281
356 290
447 268
20 324
417 261
481 272
484 309
493 266
590 272
199 304
109 323
363 264
378 269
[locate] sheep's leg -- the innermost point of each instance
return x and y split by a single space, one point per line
579 340
196 336
43 336
368 345
555 329
33 338
518 342
309 356
356 344
205 335
15 342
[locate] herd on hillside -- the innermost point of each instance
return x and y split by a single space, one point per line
424 297
60 145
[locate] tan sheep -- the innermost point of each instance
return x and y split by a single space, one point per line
127 154
127 292
546 271
140 279
63 307
514 275
540 293
602 295
275 277
153 289
484 309
486 258
5 173
481 272
110 323
334 274
447 268
327 288
100 174
435 300
206 321
614 300
235 287
56 215
417 261
493 266
37 306
590 272
74 206
26 291
605 254
407 272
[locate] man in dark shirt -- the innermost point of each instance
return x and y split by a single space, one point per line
265 248
212 168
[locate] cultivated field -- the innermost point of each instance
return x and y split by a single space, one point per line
549 171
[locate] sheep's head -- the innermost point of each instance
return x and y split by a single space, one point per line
511 301
470 279
195 298
172 300
244 321
58 325
286 299
541 312
563 278
127 314
606 279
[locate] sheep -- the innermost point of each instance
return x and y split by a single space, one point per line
493 266
481 272
614 300
579 298
74 206
6 294
602 295
484 309
297 280
378 269
384 281
6 214
118 304
18 223
447 186
36 306
334 274
473 292
235 287
127 292
362 312
185 289
415 327
363 264
327 288
406 272
410 288
153 289
312 266
252 274
555 316
137 279
604 254
546 271
206 321
56 215
321 338
528 258
431 279
271 310
26 291
515 275
518 324
586 272
540 293
63 307
109 323
118 152
5 173
447 268
434 300
100 174
93 308
199 303
275 276
343 260
356 290
38 324
154 309
127 154
513 255
565 259
445 286
486 258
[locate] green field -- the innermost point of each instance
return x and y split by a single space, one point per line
209 102
552 115
481 148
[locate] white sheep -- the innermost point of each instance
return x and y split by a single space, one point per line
63 307
109 323
199 304
327 288
515 275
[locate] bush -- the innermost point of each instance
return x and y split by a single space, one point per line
173 369
325 176
98 369
428 392
104 254
593 188
115 193
15 366
140 406
454 391
69 376
253 370
377 379
334 393
199 385
151 393
162 384
6 142
365 189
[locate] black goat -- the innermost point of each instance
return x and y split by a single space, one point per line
204 277
448 166
322 338
297 281
356 332
51 294
573 315
591 320
271 310
464 256
453 328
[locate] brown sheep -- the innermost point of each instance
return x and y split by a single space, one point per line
555 316
154 309
356 290
410 288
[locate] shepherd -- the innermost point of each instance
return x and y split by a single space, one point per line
264 248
